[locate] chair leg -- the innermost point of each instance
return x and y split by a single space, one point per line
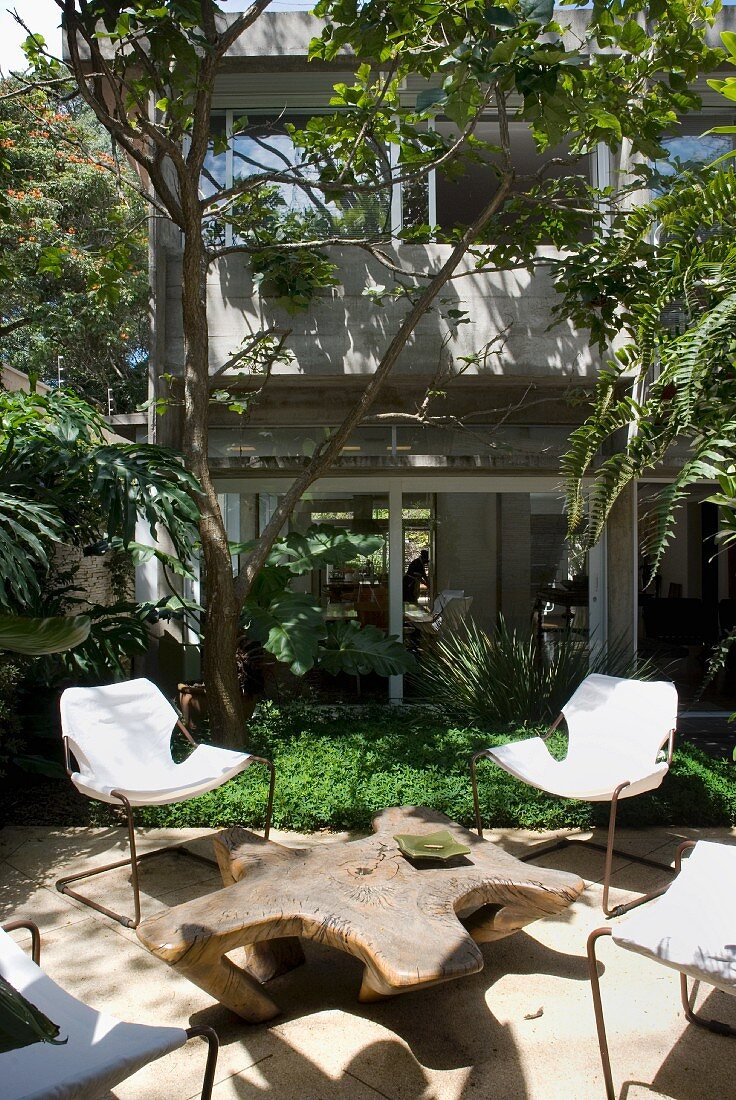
598 1009
132 861
619 910
474 784
609 855
271 787
213 1046
29 926
692 1017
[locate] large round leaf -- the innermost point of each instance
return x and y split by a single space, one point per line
38 637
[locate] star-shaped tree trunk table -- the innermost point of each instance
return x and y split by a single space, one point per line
411 924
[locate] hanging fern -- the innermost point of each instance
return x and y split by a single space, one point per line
636 417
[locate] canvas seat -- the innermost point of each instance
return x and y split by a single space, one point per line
119 737
616 730
689 928
153 783
99 1051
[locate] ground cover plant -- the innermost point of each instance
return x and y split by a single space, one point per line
339 765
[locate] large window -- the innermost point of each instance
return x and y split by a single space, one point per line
442 199
460 197
691 147
263 144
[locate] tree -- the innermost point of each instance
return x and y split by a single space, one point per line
472 56
73 251
675 256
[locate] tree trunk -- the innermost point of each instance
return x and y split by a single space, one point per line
224 699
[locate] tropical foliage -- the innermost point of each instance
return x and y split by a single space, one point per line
291 625
73 251
666 387
62 480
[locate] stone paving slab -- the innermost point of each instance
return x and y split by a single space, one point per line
481 1038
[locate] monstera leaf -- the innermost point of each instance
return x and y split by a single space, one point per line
290 627
21 1023
322 546
39 637
359 650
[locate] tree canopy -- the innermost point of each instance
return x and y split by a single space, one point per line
619 77
73 251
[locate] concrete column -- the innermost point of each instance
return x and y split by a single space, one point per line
465 548
395 578
622 568
514 560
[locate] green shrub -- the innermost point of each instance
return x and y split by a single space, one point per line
504 679
337 766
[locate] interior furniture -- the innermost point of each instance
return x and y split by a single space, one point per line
372 605
453 610
97 1050
120 738
444 596
690 929
569 597
616 732
412 925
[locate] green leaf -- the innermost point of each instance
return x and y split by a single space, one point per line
290 628
633 37
429 97
537 11
322 545
500 17
39 637
359 650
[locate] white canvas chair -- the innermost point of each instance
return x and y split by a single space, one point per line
617 730
454 611
96 1051
442 598
690 929
120 738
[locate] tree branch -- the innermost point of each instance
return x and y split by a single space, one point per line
330 449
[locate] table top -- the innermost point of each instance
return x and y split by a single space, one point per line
410 923
566 597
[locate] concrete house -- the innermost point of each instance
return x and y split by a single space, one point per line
484 500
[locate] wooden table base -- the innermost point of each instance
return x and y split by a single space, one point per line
412 925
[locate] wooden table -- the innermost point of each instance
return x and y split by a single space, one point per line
412 925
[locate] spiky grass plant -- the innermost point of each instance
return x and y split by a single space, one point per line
505 678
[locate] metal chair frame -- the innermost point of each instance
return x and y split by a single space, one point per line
692 1017
564 842
198 1031
134 860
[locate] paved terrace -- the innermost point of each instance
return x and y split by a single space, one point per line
522 1029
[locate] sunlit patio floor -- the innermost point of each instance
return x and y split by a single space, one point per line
522 1028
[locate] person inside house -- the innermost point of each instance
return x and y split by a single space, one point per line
415 576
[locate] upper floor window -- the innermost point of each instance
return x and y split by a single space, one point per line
691 147
264 145
440 200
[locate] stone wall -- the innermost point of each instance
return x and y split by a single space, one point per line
101 580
